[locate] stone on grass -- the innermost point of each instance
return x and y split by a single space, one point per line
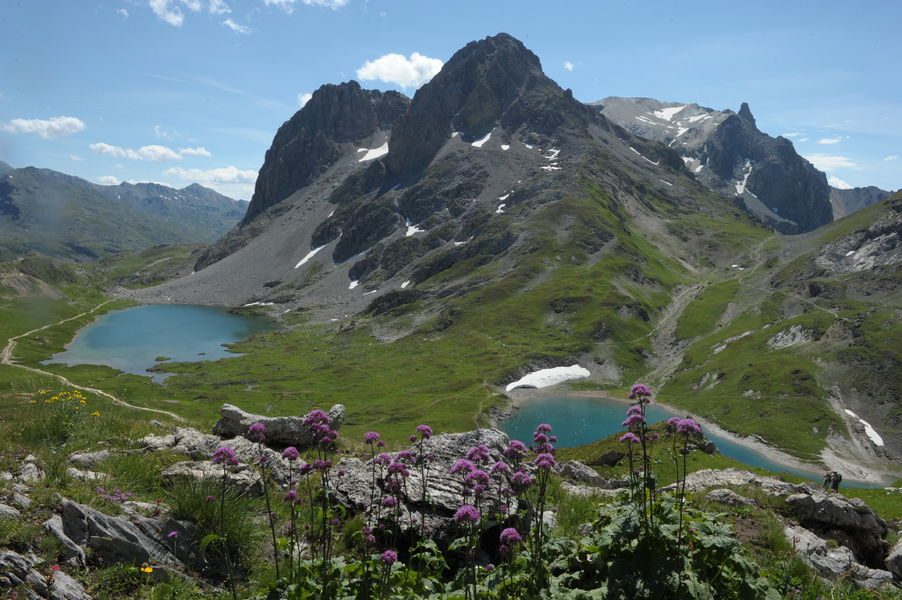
86 460
280 431
834 563
8 512
729 497
243 477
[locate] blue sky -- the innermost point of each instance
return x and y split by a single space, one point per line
182 91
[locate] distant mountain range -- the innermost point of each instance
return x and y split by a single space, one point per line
64 216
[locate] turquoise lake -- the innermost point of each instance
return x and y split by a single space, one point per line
130 340
579 420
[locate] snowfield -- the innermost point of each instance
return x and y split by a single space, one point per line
374 153
310 255
548 377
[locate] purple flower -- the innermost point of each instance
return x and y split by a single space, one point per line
411 438
389 557
371 437
634 409
672 421
225 455
425 431
398 468
688 427
316 417
540 438
477 476
629 438
633 420
511 536
489 568
552 439
292 497
652 437
211 498
306 469
478 454
389 502
256 432
380 444
640 392
172 534
467 514
462 465
322 465
406 456
543 428
290 453
382 459
503 549
478 489
522 479
500 467
545 461
515 449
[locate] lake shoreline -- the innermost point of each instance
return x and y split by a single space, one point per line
516 398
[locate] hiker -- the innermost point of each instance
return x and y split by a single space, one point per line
836 479
828 479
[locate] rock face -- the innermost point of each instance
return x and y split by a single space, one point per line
280 431
845 202
577 471
879 246
894 560
243 477
308 143
834 562
18 573
200 446
444 489
729 497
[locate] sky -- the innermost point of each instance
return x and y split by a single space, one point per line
192 91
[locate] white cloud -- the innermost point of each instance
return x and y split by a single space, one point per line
199 151
829 162
829 141
568 65
75 157
236 27
304 98
891 157
803 140
152 152
219 7
46 128
396 68
792 134
228 174
288 5
167 12
122 13
108 180
838 183
160 133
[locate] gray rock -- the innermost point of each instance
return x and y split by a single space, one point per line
280 431
726 496
145 509
577 471
6 476
609 458
200 446
30 472
64 587
17 571
8 512
84 475
894 560
20 488
834 563
242 477
21 500
718 478
444 490
585 490
72 551
86 460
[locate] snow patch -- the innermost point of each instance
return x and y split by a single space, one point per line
850 413
504 197
375 153
258 304
370 292
850 253
500 209
548 377
505 147
793 336
740 185
331 213
412 229
310 255
354 284
698 118
405 284
552 154
479 143
551 167
668 113
648 121
528 146
666 182
455 134
871 433
699 168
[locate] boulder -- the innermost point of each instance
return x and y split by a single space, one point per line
30 472
64 587
834 563
243 477
21 500
894 560
17 572
200 446
849 521
584 491
445 490
280 431
72 551
6 476
577 471
729 497
8 512
718 478
86 460
609 458
84 475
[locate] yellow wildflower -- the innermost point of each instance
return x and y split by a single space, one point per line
96 413
146 568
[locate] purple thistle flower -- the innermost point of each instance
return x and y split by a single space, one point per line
629 438
322 465
633 420
634 409
640 392
380 444
292 497
503 549
316 417
477 476
256 432
306 469
511 536
540 438
382 459
652 437
489 568
290 453
225 455
211 498
467 514
406 456
688 427
500 467
389 557
398 468
552 439
462 465
672 421
172 534
479 453
371 437
478 489
389 502
515 449
412 438
545 461
425 431
522 479
543 428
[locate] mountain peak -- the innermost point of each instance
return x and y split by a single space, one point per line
745 113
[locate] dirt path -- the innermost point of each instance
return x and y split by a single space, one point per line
6 358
